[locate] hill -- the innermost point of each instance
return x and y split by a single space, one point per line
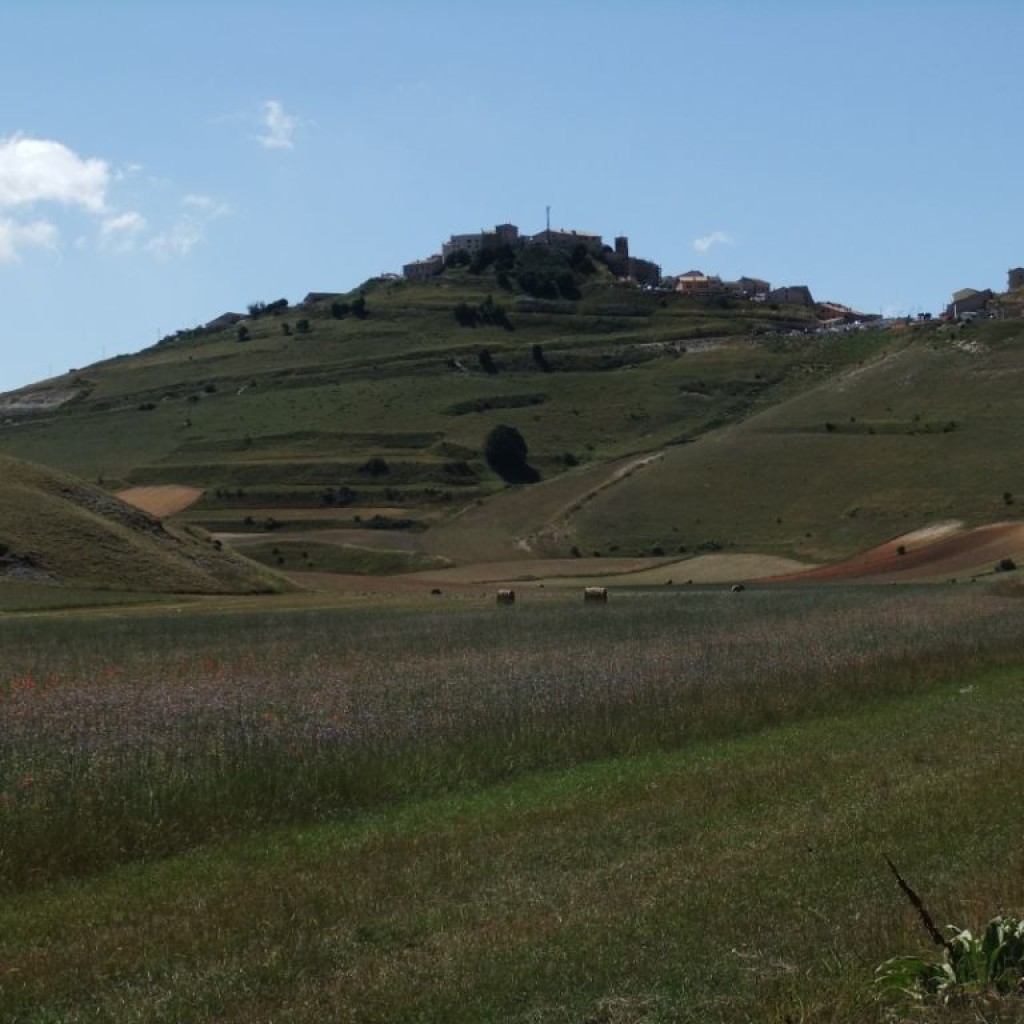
661 425
923 433
56 528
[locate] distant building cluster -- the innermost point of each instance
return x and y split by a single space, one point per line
617 258
697 283
970 303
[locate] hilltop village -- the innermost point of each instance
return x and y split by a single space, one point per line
506 242
646 273
462 249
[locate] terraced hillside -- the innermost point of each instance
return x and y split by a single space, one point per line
661 426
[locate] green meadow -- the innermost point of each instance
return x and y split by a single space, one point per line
675 807
226 796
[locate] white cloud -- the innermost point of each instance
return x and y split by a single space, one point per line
120 232
206 205
42 173
197 211
707 241
39 234
39 170
179 240
280 127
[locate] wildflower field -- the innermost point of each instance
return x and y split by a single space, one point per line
548 812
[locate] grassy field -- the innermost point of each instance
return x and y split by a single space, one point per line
924 434
670 808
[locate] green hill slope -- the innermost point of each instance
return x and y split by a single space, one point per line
54 527
773 439
930 432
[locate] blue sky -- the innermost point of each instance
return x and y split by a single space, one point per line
163 163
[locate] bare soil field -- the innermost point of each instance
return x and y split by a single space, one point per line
943 552
163 500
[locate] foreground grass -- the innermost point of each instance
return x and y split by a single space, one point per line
740 879
129 739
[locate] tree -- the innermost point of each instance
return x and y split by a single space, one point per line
487 362
465 315
540 359
243 333
505 451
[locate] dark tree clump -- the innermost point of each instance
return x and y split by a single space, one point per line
505 451
465 315
487 363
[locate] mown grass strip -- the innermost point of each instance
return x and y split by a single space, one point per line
740 879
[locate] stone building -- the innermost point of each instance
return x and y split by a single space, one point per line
503 234
562 239
791 295
621 264
969 300
696 282
420 269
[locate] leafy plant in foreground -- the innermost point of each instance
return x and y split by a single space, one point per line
990 963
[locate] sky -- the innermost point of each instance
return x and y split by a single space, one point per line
163 163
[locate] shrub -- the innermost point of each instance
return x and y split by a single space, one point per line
487 362
988 964
465 315
1006 565
375 466
537 354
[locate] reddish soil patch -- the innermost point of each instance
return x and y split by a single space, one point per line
161 501
961 554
